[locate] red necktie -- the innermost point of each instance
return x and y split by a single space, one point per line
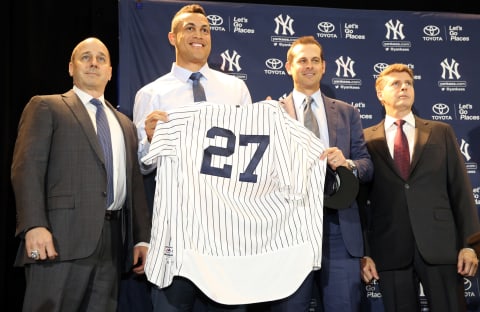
401 153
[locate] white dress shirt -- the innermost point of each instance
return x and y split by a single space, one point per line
408 129
118 148
174 90
318 109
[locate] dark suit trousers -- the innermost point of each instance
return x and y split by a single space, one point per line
442 287
300 300
89 284
135 290
338 280
183 296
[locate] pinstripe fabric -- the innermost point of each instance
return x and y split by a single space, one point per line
238 201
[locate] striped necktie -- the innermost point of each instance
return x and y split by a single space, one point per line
103 133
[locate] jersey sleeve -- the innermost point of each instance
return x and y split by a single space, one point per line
164 141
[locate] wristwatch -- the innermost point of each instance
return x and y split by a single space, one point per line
351 165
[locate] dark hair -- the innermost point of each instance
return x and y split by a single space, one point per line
303 40
190 8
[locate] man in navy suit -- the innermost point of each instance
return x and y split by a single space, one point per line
75 243
420 222
340 128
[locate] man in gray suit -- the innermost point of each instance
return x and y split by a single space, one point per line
419 220
74 245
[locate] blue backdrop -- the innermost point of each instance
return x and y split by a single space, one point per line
251 41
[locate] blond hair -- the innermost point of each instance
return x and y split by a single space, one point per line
392 68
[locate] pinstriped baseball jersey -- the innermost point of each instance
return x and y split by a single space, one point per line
238 202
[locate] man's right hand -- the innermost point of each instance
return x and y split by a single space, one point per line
151 122
40 239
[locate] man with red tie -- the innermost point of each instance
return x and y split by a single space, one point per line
420 218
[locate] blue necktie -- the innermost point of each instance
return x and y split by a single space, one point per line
103 133
401 153
198 92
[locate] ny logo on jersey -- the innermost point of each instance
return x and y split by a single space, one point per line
226 171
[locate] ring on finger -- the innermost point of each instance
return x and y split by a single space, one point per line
34 254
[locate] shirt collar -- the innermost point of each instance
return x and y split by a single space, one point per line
298 98
184 74
85 97
409 120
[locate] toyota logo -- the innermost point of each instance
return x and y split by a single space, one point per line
379 67
326 27
431 30
440 109
273 63
215 20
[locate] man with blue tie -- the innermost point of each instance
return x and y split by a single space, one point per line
191 37
81 210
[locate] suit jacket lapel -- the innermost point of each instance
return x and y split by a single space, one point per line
422 134
81 114
332 119
378 144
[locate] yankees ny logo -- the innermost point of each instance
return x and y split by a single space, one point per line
451 68
395 29
233 60
347 67
464 150
285 24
